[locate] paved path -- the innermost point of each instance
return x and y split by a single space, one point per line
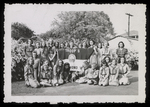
19 89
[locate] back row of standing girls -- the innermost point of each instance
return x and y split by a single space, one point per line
44 58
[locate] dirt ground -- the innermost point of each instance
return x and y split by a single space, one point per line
19 89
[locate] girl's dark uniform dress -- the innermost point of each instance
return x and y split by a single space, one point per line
61 53
89 52
78 53
83 52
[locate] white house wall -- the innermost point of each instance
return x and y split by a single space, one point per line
113 44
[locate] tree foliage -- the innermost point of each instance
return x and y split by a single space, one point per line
19 30
83 24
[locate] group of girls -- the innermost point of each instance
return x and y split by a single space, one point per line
45 68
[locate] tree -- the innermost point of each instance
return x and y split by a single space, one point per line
19 30
83 24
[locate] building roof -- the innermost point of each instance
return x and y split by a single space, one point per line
122 37
132 33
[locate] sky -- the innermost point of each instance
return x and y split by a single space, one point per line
39 17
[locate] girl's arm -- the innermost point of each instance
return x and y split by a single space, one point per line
54 70
100 72
95 51
128 70
51 58
40 75
25 75
107 71
116 76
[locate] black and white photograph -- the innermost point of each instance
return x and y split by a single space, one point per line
74 53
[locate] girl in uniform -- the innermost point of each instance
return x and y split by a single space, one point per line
104 74
44 52
105 50
36 66
46 74
99 54
38 50
113 77
124 70
92 53
121 51
91 76
29 49
29 74
58 73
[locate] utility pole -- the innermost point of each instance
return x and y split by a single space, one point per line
129 23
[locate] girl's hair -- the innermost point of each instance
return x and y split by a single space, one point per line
104 43
92 41
47 61
27 62
99 43
42 44
38 43
30 40
108 58
60 44
79 44
104 62
57 62
55 44
115 61
85 44
67 64
119 61
122 44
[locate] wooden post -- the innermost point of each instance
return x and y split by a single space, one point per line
129 23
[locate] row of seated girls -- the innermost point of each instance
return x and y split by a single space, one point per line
110 73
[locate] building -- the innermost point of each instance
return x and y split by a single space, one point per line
130 43
133 34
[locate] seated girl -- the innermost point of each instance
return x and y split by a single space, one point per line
29 74
66 72
46 74
58 73
104 74
81 74
113 77
124 70
91 75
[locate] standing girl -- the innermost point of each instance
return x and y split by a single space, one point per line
105 50
121 51
99 54
29 49
38 50
44 52
36 66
